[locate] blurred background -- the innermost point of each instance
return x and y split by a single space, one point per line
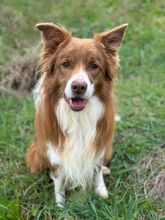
137 182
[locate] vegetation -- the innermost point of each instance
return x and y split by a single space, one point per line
140 100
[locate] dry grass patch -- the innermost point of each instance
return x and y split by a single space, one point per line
150 172
20 74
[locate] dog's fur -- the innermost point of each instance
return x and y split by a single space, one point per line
75 108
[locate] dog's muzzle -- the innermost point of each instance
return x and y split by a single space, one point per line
78 90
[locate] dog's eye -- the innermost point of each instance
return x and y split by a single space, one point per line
94 66
66 64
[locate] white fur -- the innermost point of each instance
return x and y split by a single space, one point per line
80 75
53 155
77 160
59 190
99 184
117 118
38 92
106 171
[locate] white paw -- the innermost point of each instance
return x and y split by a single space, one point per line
117 118
102 191
60 199
105 171
59 205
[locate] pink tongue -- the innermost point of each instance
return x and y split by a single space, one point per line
77 104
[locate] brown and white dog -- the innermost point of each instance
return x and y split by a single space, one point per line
75 114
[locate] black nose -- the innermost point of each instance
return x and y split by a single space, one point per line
78 87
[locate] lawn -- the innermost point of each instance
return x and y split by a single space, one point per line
140 94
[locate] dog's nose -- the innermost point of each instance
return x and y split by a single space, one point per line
78 87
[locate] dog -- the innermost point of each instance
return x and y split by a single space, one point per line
75 111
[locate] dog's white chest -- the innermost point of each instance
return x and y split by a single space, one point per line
77 161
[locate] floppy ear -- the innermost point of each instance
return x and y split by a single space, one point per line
112 39
53 35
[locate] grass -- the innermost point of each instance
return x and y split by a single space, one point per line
140 100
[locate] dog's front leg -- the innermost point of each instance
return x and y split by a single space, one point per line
99 184
59 190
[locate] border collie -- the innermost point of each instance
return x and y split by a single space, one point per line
75 112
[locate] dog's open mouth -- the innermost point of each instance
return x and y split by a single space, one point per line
77 104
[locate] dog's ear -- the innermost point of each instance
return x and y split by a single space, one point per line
112 39
53 35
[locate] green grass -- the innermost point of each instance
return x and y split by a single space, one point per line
140 91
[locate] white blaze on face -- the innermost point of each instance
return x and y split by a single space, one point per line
81 75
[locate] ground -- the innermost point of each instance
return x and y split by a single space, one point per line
140 94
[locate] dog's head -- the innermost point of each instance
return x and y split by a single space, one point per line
77 69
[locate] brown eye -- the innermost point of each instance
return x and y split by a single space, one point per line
66 64
94 66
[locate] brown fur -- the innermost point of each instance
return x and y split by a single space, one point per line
58 45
